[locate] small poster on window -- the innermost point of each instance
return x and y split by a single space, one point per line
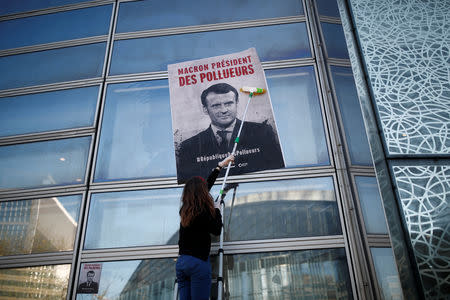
89 279
207 99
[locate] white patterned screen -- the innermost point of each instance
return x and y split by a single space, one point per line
425 199
406 48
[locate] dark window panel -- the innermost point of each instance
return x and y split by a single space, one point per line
57 110
276 42
43 164
145 15
52 66
68 25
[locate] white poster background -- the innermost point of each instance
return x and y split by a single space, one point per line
187 81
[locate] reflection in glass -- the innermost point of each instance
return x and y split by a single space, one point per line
58 65
68 25
350 109
41 282
39 225
135 279
136 218
148 14
281 209
155 53
9 7
370 200
310 274
387 274
328 8
295 101
48 111
136 137
335 40
43 164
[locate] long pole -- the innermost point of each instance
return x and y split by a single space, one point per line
222 206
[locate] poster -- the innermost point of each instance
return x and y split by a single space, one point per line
89 279
207 109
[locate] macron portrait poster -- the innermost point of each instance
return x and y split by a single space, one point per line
207 107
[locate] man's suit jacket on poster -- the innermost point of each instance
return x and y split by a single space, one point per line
88 288
258 149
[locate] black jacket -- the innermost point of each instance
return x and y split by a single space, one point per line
258 149
195 239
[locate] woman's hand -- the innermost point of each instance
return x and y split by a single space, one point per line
225 162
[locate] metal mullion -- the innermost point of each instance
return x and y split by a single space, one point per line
30 260
327 19
170 182
137 77
50 87
379 240
73 270
208 27
44 136
363 170
62 192
407 277
267 65
353 243
288 63
339 118
287 244
339 62
80 244
55 45
50 10
90 168
367 244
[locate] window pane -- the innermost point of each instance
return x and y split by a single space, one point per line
281 209
135 279
136 120
310 274
41 282
144 15
155 53
328 8
48 111
372 209
136 218
58 65
387 275
335 40
55 27
39 225
10 7
43 164
351 116
295 90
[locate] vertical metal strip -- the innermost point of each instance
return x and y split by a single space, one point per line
389 202
353 240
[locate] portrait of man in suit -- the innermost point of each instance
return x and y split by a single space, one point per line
258 146
89 286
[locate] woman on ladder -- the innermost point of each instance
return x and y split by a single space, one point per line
200 217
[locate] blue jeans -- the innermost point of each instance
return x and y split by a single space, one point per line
194 278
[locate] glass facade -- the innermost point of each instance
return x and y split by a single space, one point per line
87 164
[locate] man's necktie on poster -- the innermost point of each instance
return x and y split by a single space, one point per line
223 145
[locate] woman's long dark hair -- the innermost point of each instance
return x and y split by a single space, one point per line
195 200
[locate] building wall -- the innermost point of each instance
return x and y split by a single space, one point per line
404 54
85 128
